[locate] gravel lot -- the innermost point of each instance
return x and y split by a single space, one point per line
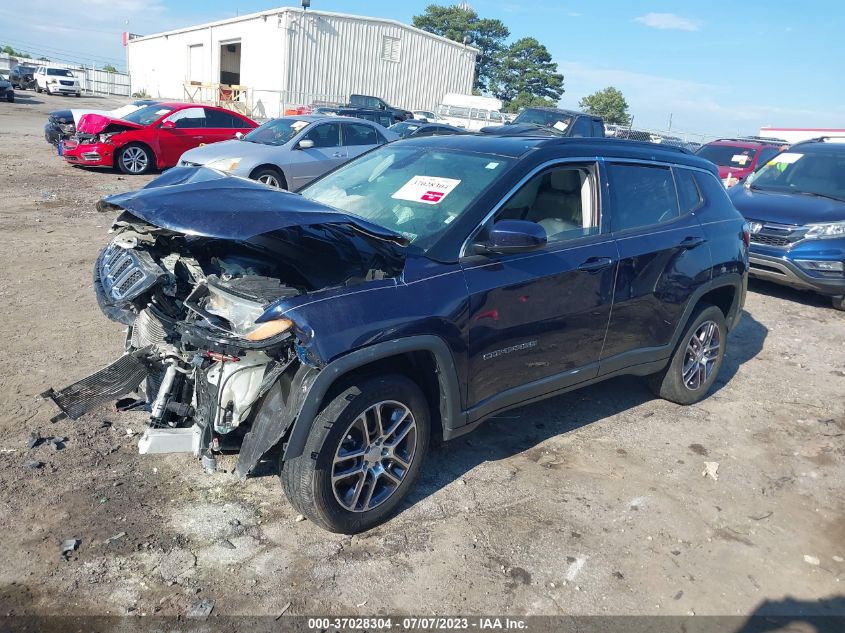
590 503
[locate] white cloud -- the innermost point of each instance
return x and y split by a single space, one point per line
697 107
668 21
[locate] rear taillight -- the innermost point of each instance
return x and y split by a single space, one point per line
746 234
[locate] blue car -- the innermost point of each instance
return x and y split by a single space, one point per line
795 207
415 291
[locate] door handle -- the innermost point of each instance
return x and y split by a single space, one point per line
692 241
595 264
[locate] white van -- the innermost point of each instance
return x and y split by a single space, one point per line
470 112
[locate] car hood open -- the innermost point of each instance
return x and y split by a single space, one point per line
206 202
92 123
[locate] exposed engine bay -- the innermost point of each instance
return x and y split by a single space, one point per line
201 350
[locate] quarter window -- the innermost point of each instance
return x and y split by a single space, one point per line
688 195
642 196
581 127
560 200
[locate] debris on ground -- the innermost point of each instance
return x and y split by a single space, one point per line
711 469
299 518
282 612
812 560
69 546
34 464
227 544
200 610
114 538
34 440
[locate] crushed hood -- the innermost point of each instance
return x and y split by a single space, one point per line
205 202
92 123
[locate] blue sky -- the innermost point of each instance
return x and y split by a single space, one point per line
715 67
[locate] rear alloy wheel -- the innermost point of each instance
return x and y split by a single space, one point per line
362 455
698 357
135 160
270 177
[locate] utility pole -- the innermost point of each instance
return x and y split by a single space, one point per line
670 123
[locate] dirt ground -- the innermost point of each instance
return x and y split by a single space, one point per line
589 503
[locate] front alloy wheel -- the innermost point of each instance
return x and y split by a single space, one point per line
135 159
374 456
363 453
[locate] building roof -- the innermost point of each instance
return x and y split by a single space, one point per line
281 10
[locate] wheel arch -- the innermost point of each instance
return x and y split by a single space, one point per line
726 293
272 166
425 359
143 144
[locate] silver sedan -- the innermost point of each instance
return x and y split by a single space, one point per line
290 152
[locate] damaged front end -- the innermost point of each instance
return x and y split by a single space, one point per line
202 270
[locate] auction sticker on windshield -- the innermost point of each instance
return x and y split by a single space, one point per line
426 189
787 158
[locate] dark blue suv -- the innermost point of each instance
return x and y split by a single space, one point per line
419 289
795 207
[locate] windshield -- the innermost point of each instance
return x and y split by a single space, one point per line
817 173
277 131
404 129
546 118
59 72
147 115
417 192
728 155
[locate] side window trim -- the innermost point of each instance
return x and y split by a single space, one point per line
585 161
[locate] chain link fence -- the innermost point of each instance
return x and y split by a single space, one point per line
94 81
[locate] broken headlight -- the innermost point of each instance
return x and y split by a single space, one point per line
242 314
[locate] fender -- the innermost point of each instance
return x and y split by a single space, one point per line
309 387
450 403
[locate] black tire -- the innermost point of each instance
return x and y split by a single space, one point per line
38 89
269 176
10 98
838 303
307 479
670 383
125 159
78 94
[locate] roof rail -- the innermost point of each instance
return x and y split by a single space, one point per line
754 139
819 139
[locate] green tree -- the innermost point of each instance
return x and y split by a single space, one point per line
462 24
109 68
526 71
523 100
11 51
609 104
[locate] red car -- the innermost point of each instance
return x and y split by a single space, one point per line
153 137
737 158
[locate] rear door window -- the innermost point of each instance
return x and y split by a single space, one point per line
325 135
643 195
220 119
359 134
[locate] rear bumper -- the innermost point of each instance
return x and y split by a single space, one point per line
785 272
92 155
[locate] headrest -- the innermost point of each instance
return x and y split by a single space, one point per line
566 180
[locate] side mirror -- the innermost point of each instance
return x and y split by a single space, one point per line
513 236
168 125
239 135
305 143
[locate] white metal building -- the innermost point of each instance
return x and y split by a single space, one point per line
287 57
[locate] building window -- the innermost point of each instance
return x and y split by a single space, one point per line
391 48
